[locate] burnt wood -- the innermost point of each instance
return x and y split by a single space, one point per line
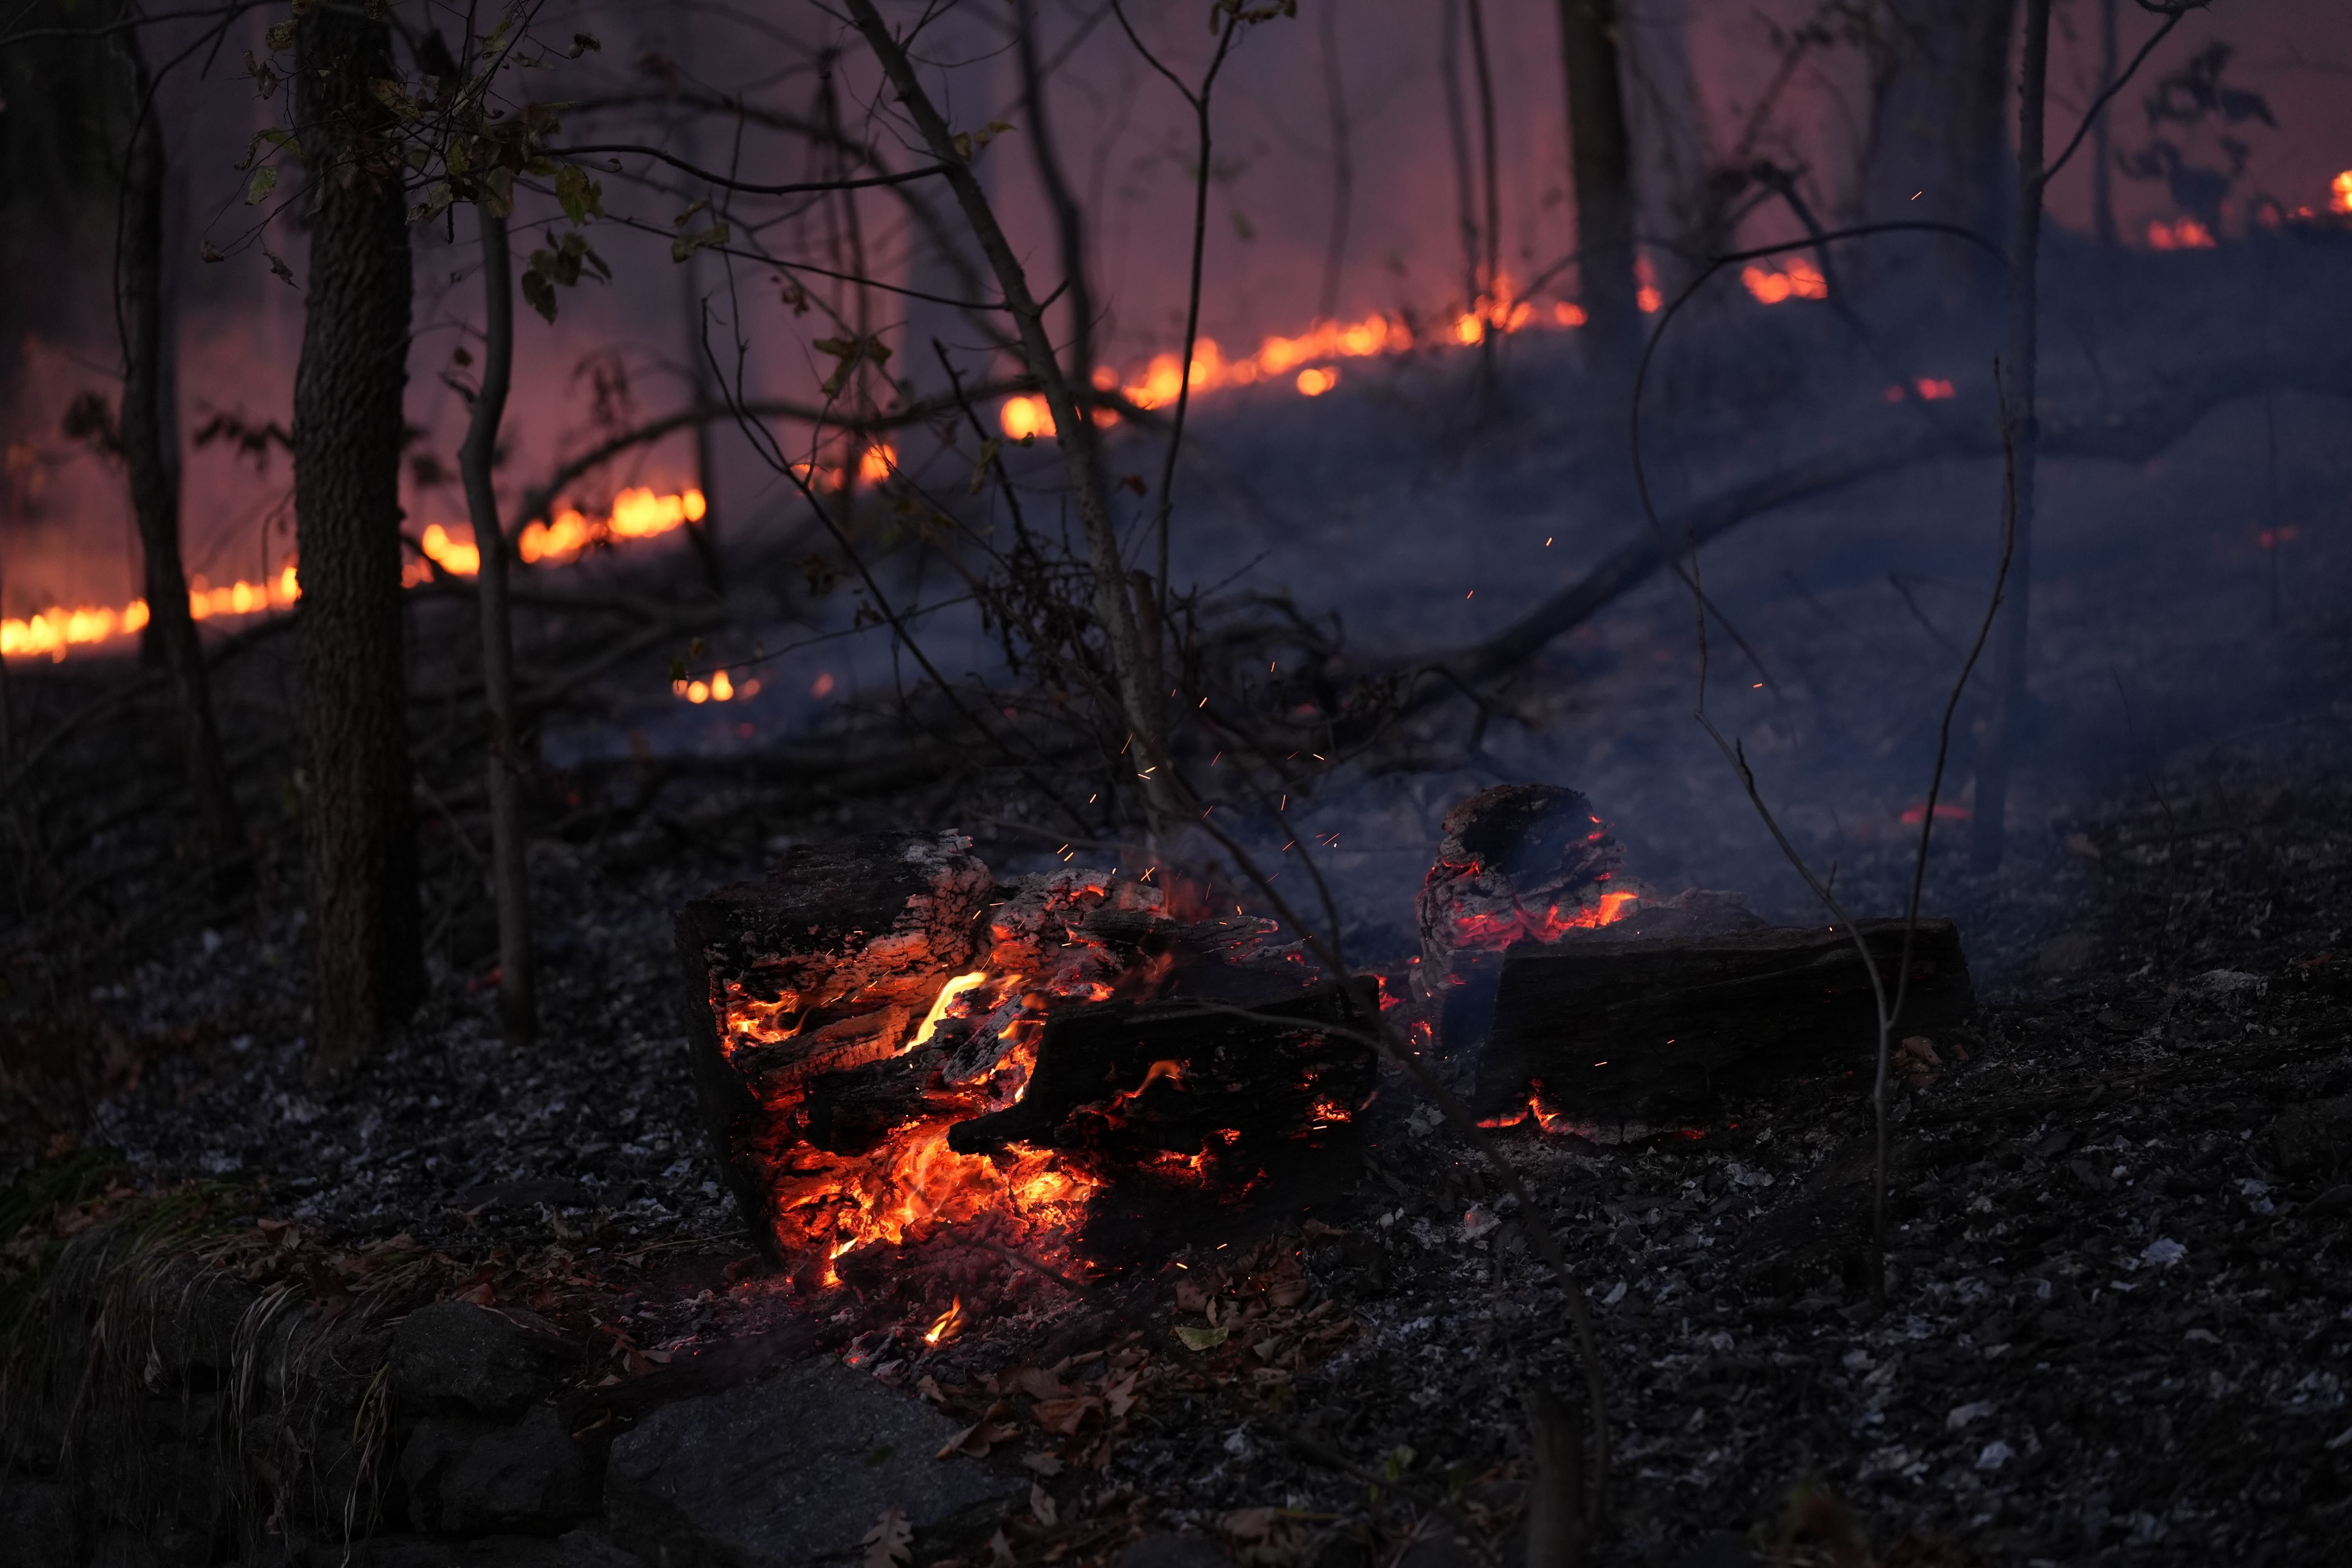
1641 1028
849 942
1257 1078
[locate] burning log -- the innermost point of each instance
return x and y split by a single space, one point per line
1517 862
1656 1025
861 1091
818 968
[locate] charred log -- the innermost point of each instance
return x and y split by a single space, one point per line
1659 1024
1242 1058
820 965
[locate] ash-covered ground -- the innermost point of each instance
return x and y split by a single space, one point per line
2117 1320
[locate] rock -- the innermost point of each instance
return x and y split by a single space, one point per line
455 1356
1174 1552
384 1552
1723 1548
124 1549
589 1547
469 1476
793 1470
37 1519
417 1552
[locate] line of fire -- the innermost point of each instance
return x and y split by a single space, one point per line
1286 784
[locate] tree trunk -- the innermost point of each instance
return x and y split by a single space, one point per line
1069 225
1343 162
510 866
2024 430
2103 165
1937 133
366 966
155 486
1601 155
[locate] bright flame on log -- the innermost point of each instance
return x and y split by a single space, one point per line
955 988
2339 193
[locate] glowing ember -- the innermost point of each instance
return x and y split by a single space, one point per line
949 1322
2187 234
2339 193
720 687
1797 279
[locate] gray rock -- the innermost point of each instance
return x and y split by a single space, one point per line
1174 1552
466 1476
791 1471
386 1551
1721 1550
417 1552
37 1519
454 1355
589 1547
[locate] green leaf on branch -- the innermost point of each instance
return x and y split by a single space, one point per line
264 181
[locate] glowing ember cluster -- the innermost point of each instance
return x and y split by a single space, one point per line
828 1203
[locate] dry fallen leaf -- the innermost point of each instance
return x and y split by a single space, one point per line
1201 1338
1065 1416
1041 1506
891 1541
1043 1464
1034 1383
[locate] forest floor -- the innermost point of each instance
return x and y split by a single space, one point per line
2115 1329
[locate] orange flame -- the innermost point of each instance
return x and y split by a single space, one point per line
2187 234
1797 279
2339 193
949 1322
955 987
1305 359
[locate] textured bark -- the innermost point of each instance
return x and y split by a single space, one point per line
366 966
510 864
1989 825
155 488
1601 155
